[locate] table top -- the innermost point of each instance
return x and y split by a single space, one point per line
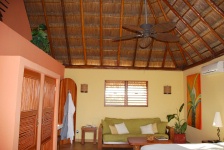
143 141
89 128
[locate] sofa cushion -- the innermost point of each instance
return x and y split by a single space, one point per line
133 125
161 127
123 137
113 129
109 121
147 129
154 127
119 137
121 128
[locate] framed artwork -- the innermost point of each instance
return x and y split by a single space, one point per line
194 100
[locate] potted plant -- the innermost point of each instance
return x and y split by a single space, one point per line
39 38
179 127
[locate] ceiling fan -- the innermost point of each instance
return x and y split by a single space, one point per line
148 31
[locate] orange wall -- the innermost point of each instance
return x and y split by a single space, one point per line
8 107
17 53
14 44
16 18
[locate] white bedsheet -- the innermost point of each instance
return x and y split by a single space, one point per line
189 146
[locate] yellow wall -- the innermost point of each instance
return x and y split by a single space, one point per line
90 106
212 90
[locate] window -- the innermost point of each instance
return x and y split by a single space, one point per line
126 93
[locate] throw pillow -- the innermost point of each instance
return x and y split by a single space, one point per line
113 129
154 127
121 128
147 129
162 127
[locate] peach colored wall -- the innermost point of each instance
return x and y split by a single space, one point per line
8 105
212 101
16 54
16 18
14 44
11 87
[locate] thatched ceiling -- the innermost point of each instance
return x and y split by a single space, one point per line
80 32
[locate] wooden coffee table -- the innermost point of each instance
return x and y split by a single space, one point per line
137 142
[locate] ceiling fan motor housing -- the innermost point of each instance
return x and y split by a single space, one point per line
148 32
146 26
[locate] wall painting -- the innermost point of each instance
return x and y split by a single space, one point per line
194 101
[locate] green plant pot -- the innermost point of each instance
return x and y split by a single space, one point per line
179 138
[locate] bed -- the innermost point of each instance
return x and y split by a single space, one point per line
189 146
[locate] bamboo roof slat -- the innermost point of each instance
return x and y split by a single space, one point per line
81 32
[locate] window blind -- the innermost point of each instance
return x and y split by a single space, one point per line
126 93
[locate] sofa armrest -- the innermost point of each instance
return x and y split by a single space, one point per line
100 137
170 132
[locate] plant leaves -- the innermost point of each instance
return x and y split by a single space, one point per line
181 107
170 117
42 27
39 38
179 127
183 127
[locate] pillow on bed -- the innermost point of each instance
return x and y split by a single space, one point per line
113 129
147 129
121 128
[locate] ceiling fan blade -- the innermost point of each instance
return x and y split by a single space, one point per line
128 37
163 27
133 28
165 37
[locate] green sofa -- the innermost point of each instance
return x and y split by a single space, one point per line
108 140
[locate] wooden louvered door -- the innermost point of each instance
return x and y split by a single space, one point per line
29 110
48 113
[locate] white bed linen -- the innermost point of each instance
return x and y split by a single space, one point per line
189 146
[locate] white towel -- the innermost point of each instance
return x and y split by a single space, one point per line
71 110
67 130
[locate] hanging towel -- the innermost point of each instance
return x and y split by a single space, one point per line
67 130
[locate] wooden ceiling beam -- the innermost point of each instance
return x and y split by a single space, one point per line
153 13
191 29
171 55
167 19
204 21
120 67
218 54
156 22
48 28
194 49
101 32
1 16
192 60
120 32
152 41
215 7
183 52
66 32
83 32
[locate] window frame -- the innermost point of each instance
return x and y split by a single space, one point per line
125 104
